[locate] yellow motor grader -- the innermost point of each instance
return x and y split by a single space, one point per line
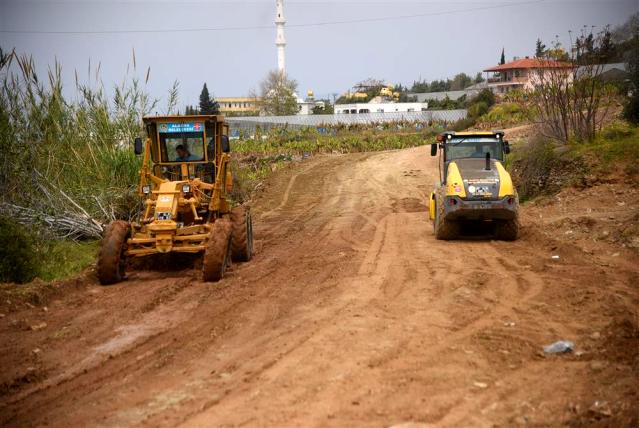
185 180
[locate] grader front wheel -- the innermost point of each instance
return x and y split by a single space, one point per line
242 241
216 256
111 260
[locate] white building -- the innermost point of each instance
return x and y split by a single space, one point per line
379 108
307 105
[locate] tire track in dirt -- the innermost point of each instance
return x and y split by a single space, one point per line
351 314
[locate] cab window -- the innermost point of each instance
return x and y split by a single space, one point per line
461 148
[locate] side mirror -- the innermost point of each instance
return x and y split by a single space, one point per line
226 145
506 147
433 149
138 146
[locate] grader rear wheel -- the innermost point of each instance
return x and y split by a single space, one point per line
111 259
216 256
242 241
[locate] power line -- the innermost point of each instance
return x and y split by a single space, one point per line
264 27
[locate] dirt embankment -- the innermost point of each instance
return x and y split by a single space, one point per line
351 314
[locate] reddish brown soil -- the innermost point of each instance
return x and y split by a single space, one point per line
350 314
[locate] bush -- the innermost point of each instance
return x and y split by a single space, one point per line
57 150
534 168
486 96
616 131
631 109
506 114
17 253
478 109
463 124
59 259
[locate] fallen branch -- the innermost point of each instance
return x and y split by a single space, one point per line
66 225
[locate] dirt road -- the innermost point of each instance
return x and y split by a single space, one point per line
351 314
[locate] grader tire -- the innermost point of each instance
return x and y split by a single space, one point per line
242 241
216 255
111 259
507 230
444 230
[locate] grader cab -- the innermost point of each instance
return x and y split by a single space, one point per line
185 180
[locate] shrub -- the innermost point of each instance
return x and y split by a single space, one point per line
533 168
17 253
478 109
506 114
68 155
463 124
486 96
631 109
616 130
59 259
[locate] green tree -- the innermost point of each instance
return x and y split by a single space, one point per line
607 49
17 252
486 96
420 87
558 53
328 108
540 49
208 105
460 81
631 108
502 60
479 77
190 110
277 92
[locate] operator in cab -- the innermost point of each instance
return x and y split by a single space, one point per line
183 154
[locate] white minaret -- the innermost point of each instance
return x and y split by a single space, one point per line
280 41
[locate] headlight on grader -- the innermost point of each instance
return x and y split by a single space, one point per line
146 189
186 188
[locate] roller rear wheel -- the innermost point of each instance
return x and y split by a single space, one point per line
444 229
507 230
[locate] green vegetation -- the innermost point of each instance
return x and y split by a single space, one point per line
208 104
544 167
62 158
17 261
460 81
506 114
60 259
277 94
24 255
631 45
618 143
328 108
65 162
311 141
255 158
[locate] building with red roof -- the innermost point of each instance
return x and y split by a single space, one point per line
523 74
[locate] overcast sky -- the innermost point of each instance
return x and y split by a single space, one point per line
444 38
